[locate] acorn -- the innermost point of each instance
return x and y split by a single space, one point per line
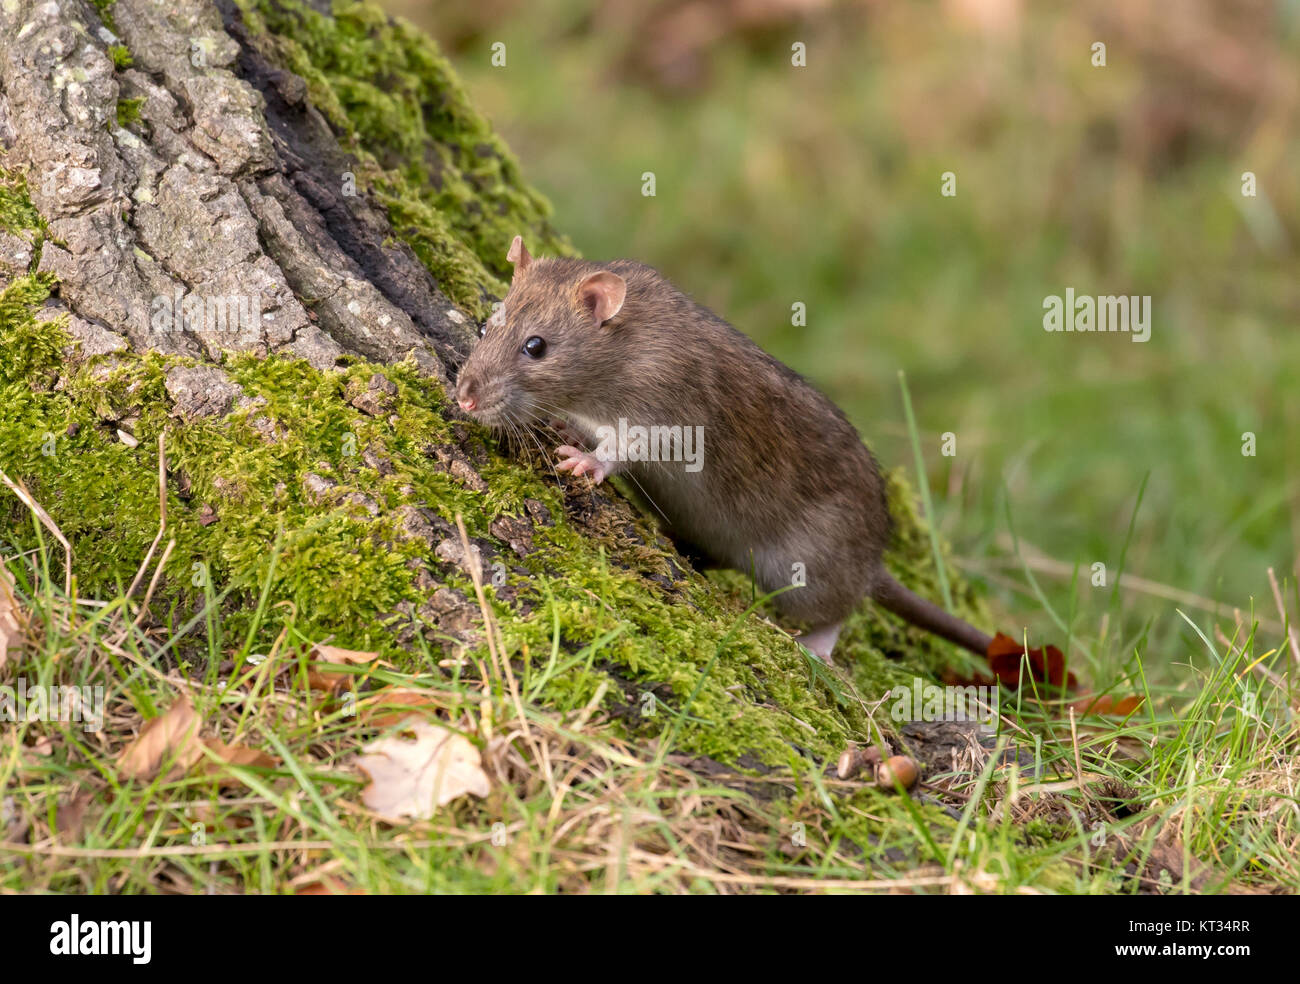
898 767
854 759
849 764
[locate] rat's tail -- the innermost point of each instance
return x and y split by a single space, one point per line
911 607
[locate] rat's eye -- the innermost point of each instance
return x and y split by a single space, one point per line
535 347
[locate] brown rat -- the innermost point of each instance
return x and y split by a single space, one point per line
769 476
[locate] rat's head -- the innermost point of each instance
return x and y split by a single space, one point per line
549 343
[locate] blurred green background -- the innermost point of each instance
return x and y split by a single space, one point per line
822 184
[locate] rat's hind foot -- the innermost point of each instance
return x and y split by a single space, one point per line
584 463
821 641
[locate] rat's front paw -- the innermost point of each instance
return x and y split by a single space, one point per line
583 463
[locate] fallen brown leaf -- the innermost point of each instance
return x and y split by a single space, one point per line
13 623
333 682
172 734
411 779
1106 704
336 654
1046 664
240 755
392 705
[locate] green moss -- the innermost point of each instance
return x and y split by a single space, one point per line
105 9
121 57
17 213
451 187
31 349
128 111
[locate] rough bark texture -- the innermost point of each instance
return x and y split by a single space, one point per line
230 187
327 164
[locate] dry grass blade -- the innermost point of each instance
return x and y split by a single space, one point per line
162 528
162 517
496 649
1040 562
153 583
28 500
1291 635
1256 665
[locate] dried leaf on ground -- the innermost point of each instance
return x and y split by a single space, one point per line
336 654
1107 704
392 705
171 736
13 623
333 682
239 755
411 779
1046 664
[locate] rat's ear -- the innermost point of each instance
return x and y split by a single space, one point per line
518 255
602 294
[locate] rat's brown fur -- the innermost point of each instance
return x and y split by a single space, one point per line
786 479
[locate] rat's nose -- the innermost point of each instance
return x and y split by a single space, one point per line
465 396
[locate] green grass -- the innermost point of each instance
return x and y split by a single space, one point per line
1198 783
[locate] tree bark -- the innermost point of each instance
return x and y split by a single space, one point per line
230 185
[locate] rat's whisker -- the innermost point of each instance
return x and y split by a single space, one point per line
525 429
529 427
551 413
532 434
631 477
641 488
511 429
543 420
